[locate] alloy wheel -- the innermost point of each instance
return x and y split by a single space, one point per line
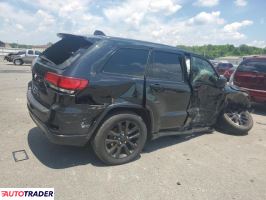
239 118
123 139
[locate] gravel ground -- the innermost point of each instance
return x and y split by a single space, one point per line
209 166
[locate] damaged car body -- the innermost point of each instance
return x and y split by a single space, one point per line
117 93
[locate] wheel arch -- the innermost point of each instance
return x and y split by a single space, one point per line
144 113
235 96
22 62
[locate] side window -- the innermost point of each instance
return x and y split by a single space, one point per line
127 61
37 53
202 71
166 66
30 52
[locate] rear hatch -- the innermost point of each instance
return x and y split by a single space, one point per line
55 61
251 74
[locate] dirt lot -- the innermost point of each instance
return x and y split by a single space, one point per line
210 166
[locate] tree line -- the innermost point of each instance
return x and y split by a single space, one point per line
215 51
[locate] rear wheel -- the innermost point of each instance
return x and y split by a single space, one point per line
18 62
235 121
120 139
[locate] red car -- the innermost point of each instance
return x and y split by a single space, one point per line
227 74
250 75
222 67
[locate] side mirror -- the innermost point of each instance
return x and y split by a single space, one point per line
221 81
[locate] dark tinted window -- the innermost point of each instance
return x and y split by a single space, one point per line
253 66
37 52
166 66
127 61
30 52
21 52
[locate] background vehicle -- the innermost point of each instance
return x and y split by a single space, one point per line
26 58
117 93
222 67
9 57
227 74
250 75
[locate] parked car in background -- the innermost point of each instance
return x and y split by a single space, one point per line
214 62
222 67
9 57
26 58
250 75
227 74
116 93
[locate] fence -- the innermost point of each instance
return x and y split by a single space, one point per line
4 51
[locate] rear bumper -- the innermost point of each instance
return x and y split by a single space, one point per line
74 140
40 115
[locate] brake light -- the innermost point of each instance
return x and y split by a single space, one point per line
64 83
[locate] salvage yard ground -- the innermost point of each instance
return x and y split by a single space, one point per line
209 166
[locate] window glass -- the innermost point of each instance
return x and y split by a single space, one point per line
188 65
21 52
30 52
224 65
202 71
166 66
127 61
253 66
65 49
37 52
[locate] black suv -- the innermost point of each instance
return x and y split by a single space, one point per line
118 93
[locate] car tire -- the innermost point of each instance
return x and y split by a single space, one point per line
18 62
120 139
235 122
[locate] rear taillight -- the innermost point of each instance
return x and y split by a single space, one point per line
64 83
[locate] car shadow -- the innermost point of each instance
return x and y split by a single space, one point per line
61 157
259 109
167 141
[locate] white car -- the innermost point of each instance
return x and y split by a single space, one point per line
27 57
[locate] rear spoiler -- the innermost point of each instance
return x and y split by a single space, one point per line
97 36
96 33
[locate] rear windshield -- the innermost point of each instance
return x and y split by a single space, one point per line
66 48
253 66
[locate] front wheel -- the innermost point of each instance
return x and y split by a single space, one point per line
236 122
120 139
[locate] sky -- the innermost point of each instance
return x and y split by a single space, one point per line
173 22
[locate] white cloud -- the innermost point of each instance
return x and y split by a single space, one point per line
241 2
154 21
206 3
232 30
206 18
165 6
133 12
258 43
237 25
19 26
